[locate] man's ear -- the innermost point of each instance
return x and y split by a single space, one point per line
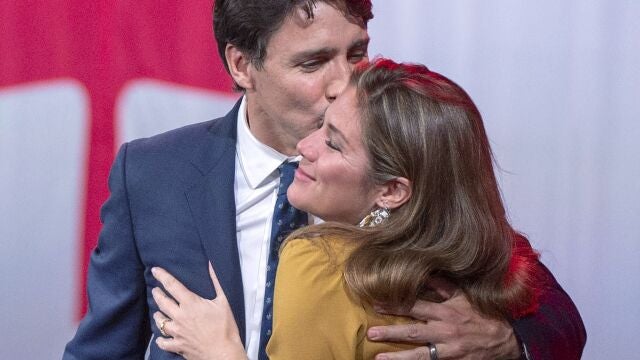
395 193
240 66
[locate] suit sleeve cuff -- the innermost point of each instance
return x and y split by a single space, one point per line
524 354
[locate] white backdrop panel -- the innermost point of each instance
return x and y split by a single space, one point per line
557 83
42 155
148 107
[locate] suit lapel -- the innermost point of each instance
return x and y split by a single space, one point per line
212 205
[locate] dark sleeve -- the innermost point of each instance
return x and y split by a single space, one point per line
555 330
116 325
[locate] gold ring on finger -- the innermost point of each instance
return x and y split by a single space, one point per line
163 322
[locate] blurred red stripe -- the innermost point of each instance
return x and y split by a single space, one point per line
105 44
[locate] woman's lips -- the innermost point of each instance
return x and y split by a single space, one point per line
303 176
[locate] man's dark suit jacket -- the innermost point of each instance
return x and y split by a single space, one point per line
172 205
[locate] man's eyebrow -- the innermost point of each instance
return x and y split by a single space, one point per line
362 43
310 54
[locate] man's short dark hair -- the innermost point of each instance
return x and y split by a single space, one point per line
249 24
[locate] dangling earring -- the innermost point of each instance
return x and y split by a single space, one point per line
376 217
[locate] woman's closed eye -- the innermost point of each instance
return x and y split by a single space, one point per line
332 145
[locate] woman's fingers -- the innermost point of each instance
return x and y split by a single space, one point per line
163 323
168 344
216 284
165 303
172 285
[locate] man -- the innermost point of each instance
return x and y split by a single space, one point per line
206 192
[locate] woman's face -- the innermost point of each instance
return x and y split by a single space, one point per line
331 181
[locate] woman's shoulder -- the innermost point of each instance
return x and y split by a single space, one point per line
328 249
309 267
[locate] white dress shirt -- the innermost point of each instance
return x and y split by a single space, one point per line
255 186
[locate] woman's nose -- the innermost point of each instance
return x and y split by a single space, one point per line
307 147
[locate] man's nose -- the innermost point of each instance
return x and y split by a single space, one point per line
339 79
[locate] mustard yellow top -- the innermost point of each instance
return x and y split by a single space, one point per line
314 315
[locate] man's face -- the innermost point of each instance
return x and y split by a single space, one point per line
308 63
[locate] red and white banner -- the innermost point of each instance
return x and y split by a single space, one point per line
76 79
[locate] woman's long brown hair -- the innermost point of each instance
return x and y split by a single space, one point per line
419 125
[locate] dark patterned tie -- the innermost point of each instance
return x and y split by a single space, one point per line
286 218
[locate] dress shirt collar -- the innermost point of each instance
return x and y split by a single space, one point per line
257 160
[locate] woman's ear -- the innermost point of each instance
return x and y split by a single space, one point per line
395 193
240 66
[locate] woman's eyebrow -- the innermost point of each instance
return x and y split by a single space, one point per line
337 131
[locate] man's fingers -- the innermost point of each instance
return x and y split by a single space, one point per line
426 311
421 353
166 304
414 333
443 287
171 285
422 310
448 310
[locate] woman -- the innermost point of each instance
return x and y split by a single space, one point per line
403 153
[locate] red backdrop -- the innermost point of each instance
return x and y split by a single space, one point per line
104 44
